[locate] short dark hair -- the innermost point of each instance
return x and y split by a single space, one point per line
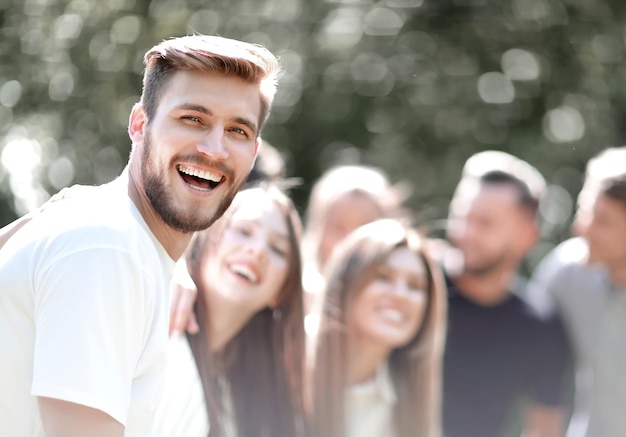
526 199
615 188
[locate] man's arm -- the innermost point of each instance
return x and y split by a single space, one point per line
183 297
90 332
549 411
66 419
544 421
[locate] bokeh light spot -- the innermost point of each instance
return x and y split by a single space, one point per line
342 29
10 93
67 28
563 125
126 29
520 64
383 22
61 86
61 173
204 21
495 87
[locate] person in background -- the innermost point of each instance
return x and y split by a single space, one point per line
241 374
269 166
499 353
589 293
84 308
581 306
375 363
608 163
606 238
342 199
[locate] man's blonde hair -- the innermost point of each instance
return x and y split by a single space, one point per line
250 62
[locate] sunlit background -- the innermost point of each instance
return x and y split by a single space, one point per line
413 86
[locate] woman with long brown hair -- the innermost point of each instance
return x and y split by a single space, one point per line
250 346
376 364
342 199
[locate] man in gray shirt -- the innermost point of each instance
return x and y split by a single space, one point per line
584 279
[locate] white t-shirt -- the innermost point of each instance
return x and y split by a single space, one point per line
369 406
84 294
181 411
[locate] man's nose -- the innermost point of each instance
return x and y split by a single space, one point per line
213 144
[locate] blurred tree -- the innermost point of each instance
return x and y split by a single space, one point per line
413 86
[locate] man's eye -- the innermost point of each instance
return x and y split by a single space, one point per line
239 131
191 118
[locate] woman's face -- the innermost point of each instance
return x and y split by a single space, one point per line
249 263
345 214
391 306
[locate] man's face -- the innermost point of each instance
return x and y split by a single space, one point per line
199 147
606 233
488 229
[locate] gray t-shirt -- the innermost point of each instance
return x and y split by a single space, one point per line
594 313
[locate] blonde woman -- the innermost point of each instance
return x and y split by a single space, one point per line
343 198
376 364
248 354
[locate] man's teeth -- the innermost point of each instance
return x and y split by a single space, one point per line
392 315
245 271
200 174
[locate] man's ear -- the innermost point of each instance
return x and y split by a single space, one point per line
529 235
257 146
137 124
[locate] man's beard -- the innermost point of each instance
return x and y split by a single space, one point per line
485 268
165 207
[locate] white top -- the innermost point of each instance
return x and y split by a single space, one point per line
370 405
181 411
84 312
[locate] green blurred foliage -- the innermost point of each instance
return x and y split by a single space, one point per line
413 86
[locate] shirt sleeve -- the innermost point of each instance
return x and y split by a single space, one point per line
553 365
538 289
91 311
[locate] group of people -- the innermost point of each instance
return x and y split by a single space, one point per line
186 298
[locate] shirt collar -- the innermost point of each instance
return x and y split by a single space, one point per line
381 387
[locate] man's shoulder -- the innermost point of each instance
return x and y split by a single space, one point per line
568 256
562 272
98 218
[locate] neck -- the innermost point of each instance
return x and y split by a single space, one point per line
487 289
174 242
225 323
365 357
617 274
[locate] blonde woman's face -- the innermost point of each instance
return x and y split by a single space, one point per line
390 308
249 264
346 213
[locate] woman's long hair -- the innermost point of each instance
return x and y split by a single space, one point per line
415 368
259 372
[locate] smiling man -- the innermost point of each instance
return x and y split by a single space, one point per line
84 302
503 364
